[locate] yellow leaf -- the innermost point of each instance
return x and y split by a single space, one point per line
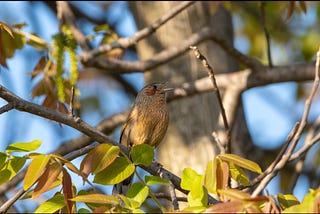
35 170
242 162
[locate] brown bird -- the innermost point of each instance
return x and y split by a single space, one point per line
147 122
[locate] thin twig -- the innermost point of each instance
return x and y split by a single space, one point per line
168 197
205 63
4 207
266 32
172 192
127 42
287 155
71 102
279 156
6 108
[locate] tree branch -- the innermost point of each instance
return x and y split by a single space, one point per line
286 157
127 42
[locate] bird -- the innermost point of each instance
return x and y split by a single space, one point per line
147 123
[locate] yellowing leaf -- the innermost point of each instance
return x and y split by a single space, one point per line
242 162
96 198
309 204
210 181
99 158
67 190
238 175
46 179
234 194
287 200
24 147
119 170
35 170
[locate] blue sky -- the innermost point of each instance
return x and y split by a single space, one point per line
268 129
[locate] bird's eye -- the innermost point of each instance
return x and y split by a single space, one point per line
154 87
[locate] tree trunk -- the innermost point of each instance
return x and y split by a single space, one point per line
189 141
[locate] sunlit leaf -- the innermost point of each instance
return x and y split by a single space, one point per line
198 209
155 180
5 175
138 192
96 198
198 197
52 205
3 159
210 178
287 200
103 27
142 154
226 207
99 158
46 180
35 170
118 171
234 194
24 147
190 178
15 164
238 175
309 204
242 162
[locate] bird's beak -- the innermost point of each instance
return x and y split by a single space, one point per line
167 89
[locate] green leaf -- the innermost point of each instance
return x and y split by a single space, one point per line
309 204
138 192
3 159
142 154
119 170
97 199
155 180
198 197
15 164
198 209
190 179
103 27
83 210
242 162
287 200
238 174
5 175
35 170
52 205
24 147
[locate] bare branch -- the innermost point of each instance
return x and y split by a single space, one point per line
127 42
25 106
287 155
266 32
6 108
120 66
205 63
